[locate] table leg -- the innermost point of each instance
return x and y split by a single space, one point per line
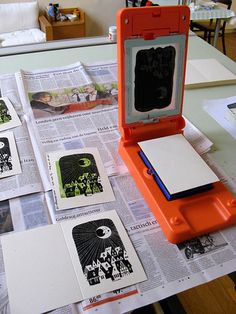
217 29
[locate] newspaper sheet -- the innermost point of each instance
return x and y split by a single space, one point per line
170 268
224 112
61 127
29 181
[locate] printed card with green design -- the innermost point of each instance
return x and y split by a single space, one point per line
78 178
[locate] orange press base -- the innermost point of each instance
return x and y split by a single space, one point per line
184 218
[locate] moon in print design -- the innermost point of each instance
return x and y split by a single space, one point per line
2 145
91 241
103 232
84 162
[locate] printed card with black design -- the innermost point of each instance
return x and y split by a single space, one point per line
79 259
102 254
78 178
8 116
9 159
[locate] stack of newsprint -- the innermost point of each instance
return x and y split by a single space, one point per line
93 243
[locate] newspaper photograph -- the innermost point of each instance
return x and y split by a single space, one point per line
68 89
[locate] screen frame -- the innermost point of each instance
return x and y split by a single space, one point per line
131 47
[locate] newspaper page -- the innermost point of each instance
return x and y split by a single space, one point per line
29 180
105 75
92 128
60 126
66 89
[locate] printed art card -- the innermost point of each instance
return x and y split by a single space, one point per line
78 178
76 260
9 159
8 116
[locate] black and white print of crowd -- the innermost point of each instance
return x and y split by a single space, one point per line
5 155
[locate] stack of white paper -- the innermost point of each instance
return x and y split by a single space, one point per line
177 164
207 72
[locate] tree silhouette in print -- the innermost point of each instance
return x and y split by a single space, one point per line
78 175
5 155
4 113
154 71
101 251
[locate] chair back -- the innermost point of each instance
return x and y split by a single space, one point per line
227 3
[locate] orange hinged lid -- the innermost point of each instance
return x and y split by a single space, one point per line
152 49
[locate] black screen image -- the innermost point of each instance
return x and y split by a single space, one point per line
5 155
79 175
101 251
154 71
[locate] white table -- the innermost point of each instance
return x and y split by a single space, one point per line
214 13
225 154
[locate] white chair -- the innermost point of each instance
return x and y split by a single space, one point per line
19 24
